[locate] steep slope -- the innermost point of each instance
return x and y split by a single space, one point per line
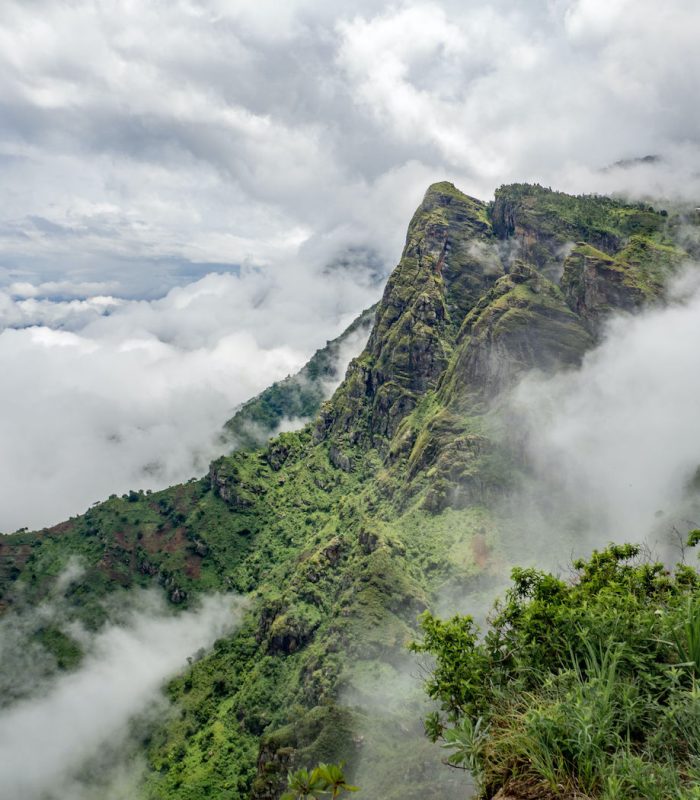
448 263
298 397
343 532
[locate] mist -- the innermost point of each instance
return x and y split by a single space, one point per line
106 395
614 446
395 758
56 744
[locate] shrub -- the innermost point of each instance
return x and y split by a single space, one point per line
586 687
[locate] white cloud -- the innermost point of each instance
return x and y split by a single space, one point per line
619 439
510 92
228 133
593 19
138 398
46 741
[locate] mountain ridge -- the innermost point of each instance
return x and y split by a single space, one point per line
296 398
342 532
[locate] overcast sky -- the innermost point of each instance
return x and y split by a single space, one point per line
282 146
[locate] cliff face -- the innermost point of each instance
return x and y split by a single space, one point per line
446 266
485 291
522 323
342 532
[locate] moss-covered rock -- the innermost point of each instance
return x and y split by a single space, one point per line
596 284
448 262
522 323
342 532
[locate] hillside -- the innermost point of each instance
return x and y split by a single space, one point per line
296 399
342 533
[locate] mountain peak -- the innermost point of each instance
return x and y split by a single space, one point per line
342 533
444 189
447 264
449 285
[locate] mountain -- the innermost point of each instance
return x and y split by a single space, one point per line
342 532
296 399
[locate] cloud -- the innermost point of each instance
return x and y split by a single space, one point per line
389 704
86 711
498 92
61 290
144 148
108 394
616 444
219 132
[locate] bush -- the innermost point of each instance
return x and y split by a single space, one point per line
587 687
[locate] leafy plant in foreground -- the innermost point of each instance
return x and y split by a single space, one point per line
307 784
579 688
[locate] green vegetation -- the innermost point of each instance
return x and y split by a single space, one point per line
323 779
579 688
341 533
636 239
599 220
297 397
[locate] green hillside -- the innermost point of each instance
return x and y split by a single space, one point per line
344 532
298 397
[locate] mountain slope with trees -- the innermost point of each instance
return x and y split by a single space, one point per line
343 532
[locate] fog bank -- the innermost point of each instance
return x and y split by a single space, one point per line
616 443
47 742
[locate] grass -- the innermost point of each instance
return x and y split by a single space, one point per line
585 688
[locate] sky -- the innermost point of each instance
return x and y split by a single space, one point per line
197 195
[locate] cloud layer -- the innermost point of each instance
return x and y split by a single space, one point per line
100 404
197 194
46 741
617 442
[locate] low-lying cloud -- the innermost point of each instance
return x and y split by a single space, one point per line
616 443
49 741
97 402
389 704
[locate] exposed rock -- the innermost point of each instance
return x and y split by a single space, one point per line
290 632
147 568
277 454
440 276
200 548
594 284
177 596
522 323
368 541
273 765
226 484
339 459
268 614
541 224
333 552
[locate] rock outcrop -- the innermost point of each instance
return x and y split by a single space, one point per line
343 531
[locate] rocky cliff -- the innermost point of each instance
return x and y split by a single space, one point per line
342 532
